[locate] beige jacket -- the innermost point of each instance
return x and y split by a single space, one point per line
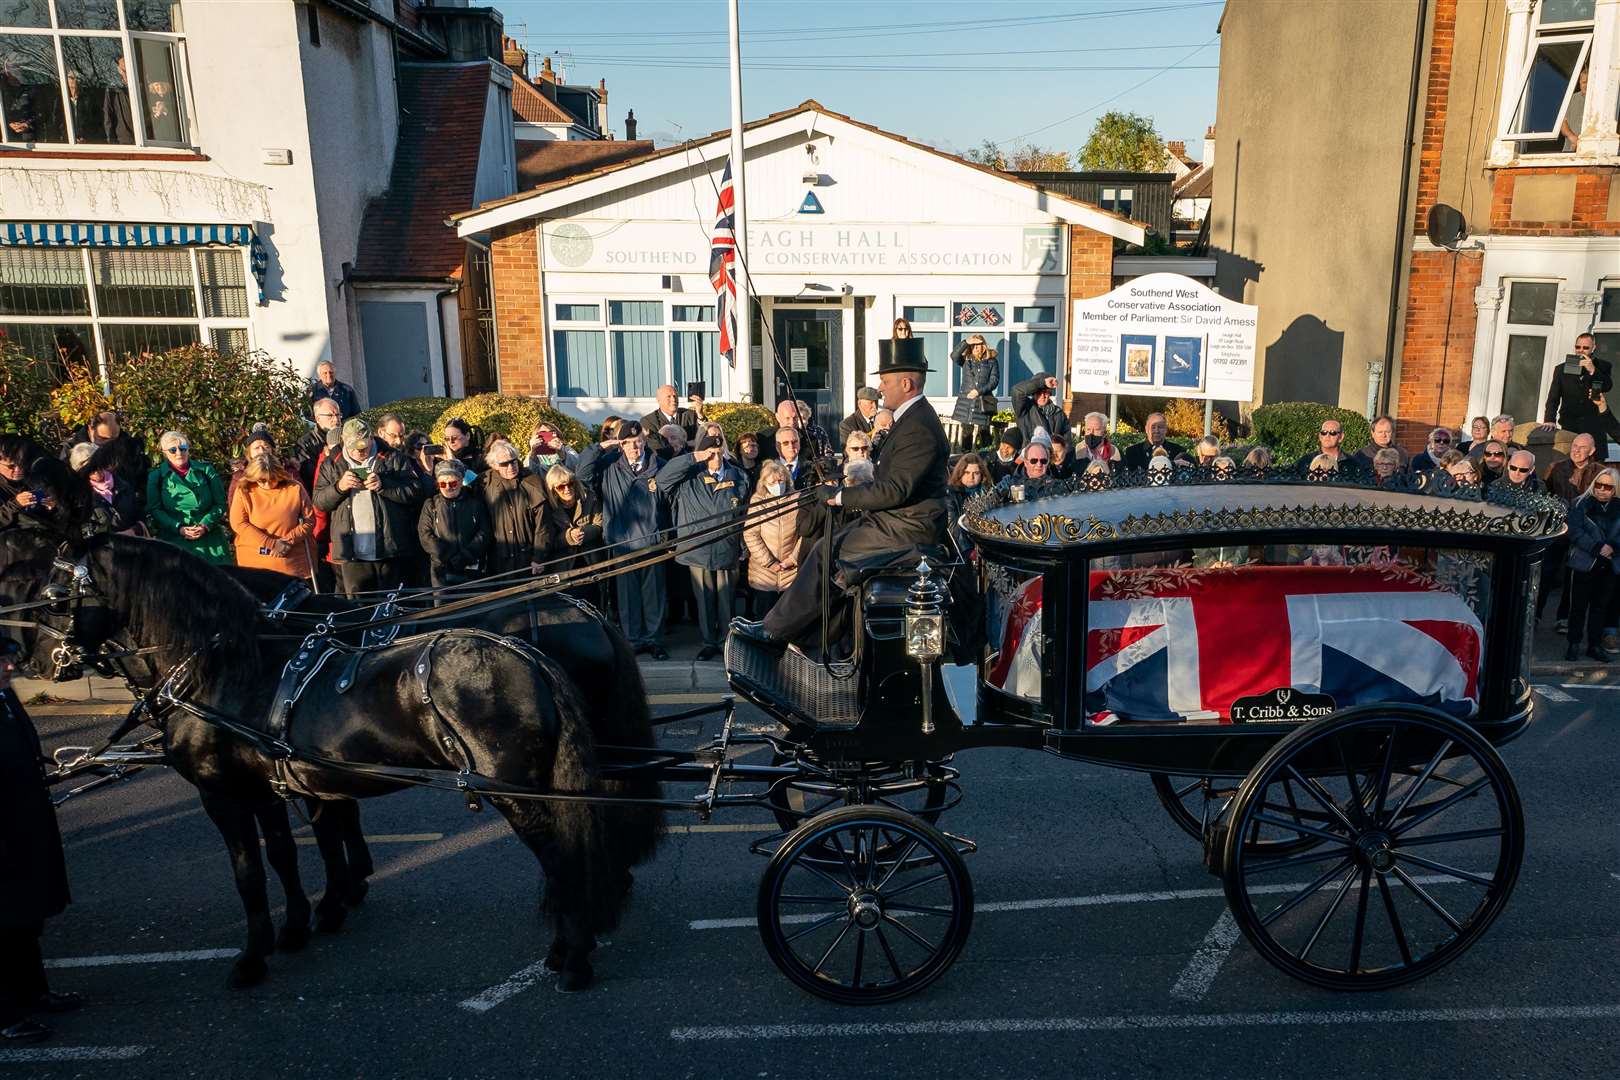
771 543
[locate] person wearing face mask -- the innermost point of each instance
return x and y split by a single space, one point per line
272 517
547 449
705 489
1095 444
624 476
772 541
1594 540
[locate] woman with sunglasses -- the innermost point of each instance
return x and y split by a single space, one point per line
1594 540
454 528
185 502
516 499
571 528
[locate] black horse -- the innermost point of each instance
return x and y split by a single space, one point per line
444 700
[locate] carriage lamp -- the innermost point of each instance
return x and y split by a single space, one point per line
925 631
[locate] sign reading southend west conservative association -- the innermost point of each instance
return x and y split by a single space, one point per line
1164 335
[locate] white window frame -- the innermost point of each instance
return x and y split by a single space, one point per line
137 80
1507 330
603 325
1010 302
95 320
1612 328
1536 42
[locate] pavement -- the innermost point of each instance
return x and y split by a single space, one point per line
1101 947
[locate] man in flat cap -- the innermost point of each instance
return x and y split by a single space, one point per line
866 407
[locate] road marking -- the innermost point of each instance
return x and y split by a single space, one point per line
1199 974
140 958
683 699
1552 693
1073 901
518 982
71 1053
723 828
387 838
1588 686
1066 1024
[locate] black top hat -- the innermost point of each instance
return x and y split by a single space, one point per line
901 354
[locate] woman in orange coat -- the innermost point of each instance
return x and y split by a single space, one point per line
272 518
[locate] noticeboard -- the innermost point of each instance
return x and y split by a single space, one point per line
1164 335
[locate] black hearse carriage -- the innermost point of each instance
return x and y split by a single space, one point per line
1315 674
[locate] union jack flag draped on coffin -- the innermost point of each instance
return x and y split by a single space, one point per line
1181 643
722 267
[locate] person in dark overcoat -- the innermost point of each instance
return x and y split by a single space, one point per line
976 396
1572 399
33 870
866 407
1034 403
906 505
454 529
705 488
516 499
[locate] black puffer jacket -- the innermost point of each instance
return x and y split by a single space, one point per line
455 535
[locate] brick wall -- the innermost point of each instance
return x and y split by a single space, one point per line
1591 209
1091 273
1432 140
515 281
1437 359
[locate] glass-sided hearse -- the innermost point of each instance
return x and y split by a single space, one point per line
1315 674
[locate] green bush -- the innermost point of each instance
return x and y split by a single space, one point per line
419 413
737 417
214 397
510 417
25 395
1290 427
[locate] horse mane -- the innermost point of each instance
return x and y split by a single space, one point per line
176 600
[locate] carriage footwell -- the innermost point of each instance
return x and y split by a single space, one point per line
793 679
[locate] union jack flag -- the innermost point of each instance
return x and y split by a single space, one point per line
967 316
722 269
990 317
1179 643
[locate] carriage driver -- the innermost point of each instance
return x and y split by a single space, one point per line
906 505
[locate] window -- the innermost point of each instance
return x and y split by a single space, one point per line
639 346
92 72
85 304
1550 97
1118 200
1026 344
1607 327
1530 313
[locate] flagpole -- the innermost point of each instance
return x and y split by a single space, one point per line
745 325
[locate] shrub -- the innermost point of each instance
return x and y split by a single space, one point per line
419 413
1290 427
511 417
25 395
737 417
1186 419
214 397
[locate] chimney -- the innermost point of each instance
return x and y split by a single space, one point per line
514 57
601 109
1177 148
1209 147
630 125
547 79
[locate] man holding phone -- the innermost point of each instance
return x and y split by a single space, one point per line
1575 401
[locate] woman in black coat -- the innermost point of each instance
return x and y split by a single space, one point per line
976 394
33 872
454 529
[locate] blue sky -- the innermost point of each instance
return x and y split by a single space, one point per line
1002 70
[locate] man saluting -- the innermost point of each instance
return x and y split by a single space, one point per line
906 504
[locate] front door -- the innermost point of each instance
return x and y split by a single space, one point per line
810 343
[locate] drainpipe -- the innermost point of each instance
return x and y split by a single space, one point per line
444 341
1382 395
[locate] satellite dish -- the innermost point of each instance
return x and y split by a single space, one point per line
1447 226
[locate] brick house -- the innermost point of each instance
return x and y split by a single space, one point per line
1504 110
601 290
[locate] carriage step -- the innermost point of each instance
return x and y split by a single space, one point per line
793 680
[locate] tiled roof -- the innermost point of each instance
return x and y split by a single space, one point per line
1198 184
529 104
403 236
541 162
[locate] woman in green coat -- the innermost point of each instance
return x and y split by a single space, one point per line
185 501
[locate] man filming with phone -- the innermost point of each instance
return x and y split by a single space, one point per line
1575 401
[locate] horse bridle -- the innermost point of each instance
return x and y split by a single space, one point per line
66 599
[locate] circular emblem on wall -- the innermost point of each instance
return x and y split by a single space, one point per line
571 245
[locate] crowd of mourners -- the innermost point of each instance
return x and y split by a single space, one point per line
359 508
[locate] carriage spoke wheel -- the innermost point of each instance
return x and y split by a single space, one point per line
888 919
798 801
1188 798
1420 836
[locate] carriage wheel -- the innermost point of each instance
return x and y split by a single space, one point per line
883 923
1421 849
1184 798
796 802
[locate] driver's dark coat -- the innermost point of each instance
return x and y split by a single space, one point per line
907 502
33 873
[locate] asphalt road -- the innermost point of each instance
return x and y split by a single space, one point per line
434 975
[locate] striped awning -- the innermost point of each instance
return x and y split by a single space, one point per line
84 234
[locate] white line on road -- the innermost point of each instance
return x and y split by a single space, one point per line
516 984
1072 901
385 838
1199 974
140 958
1065 1024
1589 686
730 827
71 1053
1553 694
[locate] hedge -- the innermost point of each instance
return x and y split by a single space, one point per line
1290 428
737 417
419 413
25 395
511 417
